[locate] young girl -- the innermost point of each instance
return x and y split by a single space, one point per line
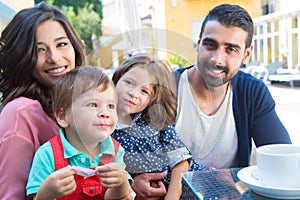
147 111
84 102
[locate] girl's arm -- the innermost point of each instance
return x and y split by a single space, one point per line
175 186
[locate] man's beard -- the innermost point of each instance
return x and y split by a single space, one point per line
214 81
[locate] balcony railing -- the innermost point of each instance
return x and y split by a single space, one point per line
277 38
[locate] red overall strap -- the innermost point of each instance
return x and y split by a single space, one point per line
58 153
106 158
87 188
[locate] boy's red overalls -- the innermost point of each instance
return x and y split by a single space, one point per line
86 188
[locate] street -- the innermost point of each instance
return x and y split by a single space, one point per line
287 101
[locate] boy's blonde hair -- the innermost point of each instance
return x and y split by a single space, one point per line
162 108
76 82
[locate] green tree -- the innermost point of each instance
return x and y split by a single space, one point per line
178 60
76 4
88 23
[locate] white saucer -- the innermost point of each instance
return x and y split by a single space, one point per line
248 176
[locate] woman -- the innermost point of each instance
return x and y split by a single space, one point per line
37 47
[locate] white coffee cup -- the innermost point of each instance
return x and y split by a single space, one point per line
279 165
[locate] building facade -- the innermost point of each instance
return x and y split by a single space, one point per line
10 7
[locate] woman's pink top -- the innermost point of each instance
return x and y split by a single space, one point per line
24 126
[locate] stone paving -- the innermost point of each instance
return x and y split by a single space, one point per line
288 108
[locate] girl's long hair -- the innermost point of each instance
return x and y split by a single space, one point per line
162 108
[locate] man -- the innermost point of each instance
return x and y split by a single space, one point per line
221 109
226 107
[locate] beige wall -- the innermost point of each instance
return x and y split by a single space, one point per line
15 5
176 27
19 4
178 18
185 18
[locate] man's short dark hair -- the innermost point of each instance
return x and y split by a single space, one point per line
231 15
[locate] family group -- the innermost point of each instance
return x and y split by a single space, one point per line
68 131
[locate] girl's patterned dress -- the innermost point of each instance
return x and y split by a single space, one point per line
149 150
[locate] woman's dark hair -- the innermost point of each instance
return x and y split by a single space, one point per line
231 15
18 54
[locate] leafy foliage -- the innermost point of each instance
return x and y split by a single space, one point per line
76 4
178 60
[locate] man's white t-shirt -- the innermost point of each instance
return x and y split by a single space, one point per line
212 140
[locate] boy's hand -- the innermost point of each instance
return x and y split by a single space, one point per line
59 184
111 175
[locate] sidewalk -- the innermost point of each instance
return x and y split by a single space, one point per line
287 101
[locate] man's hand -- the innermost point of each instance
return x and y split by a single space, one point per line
148 186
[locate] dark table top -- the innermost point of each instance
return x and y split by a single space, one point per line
218 184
